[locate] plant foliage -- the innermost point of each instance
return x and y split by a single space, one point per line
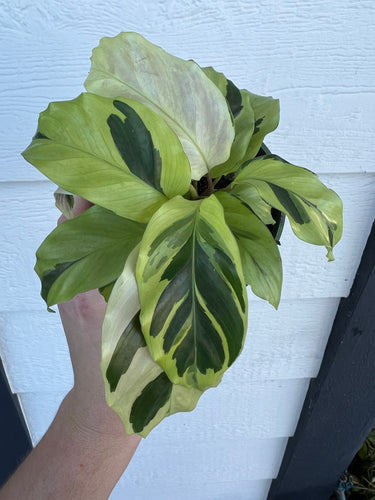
186 207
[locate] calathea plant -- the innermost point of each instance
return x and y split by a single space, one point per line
186 206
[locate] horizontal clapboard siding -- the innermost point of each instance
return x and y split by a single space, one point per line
275 348
318 60
33 217
291 141
260 411
218 490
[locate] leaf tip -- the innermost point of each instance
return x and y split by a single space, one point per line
275 303
329 255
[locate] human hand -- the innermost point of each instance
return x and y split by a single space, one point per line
85 450
82 318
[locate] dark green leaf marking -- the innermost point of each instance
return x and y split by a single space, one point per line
153 397
84 253
179 260
190 264
291 204
39 135
170 234
224 264
134 143
258 266
227 268
257 125
196 320
219 300
331 226
107 290
271 156
179 272
128 344
208 352
178 320
234 99
49 278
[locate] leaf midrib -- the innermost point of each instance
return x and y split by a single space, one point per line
305 200
163 112
110 244
194 292
117 167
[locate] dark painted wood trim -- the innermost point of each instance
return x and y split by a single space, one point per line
339 409
15 441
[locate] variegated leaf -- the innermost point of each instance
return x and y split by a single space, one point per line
266 117
240 105
84 253
192 292
260 255
65 201
136 386
103 148
244 127
314 211
249 195
130 66
231 93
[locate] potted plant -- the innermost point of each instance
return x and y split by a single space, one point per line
188 208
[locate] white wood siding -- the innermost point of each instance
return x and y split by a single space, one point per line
317 57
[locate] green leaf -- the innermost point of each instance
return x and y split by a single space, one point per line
85 253
266 116
219 79
240 105
102 148
231 93
136 386
249 195
130 66
192 292
254 117
244 127
260 255
314 211
106 290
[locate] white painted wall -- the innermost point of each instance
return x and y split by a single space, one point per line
317 57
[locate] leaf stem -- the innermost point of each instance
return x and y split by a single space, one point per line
210 186
193 192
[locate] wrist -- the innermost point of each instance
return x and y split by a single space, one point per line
92 419
79 457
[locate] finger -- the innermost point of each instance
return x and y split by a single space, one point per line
80 205
61 219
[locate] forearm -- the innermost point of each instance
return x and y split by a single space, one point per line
82 456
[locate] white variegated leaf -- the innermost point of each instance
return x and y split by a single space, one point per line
130 66
192 292
314 211
102 148
136 387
